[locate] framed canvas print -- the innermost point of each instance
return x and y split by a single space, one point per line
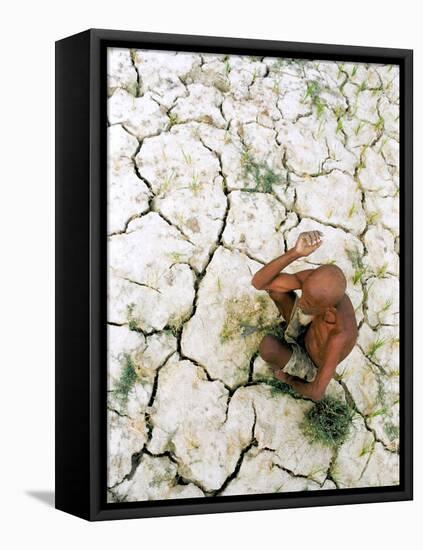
233 307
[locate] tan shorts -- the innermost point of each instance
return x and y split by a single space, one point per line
300 363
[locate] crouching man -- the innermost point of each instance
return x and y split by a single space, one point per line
320 325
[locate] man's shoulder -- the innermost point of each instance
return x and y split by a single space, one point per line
302 275
345 330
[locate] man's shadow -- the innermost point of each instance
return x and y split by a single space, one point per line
46 497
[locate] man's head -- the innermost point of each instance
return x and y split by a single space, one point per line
323 288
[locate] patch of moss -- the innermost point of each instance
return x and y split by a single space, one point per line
381 391
275 329
132 88
277 387
392 431
128 378
328 422
247 316
132 322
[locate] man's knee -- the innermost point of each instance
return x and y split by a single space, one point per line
268 348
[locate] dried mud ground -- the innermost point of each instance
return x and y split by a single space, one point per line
216 163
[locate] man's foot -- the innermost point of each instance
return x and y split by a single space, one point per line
284 376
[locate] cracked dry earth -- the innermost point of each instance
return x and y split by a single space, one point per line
216 163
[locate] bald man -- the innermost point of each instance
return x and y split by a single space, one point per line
321 328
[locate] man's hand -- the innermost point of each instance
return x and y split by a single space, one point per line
307 242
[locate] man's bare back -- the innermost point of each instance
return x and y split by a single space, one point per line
332 333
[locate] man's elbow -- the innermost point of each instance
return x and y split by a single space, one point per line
256 283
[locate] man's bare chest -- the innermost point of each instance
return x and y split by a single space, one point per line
317 337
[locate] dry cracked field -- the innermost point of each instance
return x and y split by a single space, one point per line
216 163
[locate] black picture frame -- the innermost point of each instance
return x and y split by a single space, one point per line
81 274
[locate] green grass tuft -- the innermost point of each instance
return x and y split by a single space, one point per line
381 271
260 172
352 210
313 89
357 262
341 69
377 344
366 449
358 128
195 185
173 119
313 92
175 324
373 217
380 123
386 306
378 412
328 422
320 106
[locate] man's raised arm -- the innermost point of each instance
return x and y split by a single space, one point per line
306 243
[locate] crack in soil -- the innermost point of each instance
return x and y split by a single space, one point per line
253 443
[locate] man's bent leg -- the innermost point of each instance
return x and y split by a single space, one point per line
274 352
